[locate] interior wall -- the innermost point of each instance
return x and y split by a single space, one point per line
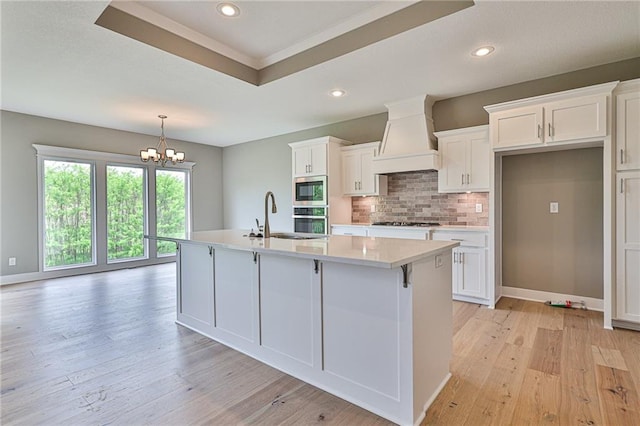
19 188
251 169
554 252
468 110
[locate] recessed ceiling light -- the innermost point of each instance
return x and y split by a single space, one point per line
482 51
337 93
228 9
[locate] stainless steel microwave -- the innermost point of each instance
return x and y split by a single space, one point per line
310 191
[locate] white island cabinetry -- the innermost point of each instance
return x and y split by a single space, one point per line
367 319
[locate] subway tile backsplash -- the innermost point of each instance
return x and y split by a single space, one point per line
414 197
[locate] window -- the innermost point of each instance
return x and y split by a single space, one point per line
68 211
171 208
95 207
126 214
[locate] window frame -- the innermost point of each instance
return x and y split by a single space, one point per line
187 203
145 208
41 215
100 160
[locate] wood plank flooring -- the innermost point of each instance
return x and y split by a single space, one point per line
104 349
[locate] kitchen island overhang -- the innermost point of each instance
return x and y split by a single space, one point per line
366 319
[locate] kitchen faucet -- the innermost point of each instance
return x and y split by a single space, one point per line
274 209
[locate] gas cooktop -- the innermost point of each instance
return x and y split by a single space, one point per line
405 224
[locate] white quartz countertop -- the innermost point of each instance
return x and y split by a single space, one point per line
469 228
369 251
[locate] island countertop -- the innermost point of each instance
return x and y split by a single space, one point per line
369 251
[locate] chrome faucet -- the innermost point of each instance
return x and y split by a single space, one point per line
274 209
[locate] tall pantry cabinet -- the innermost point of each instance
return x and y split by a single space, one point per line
627 137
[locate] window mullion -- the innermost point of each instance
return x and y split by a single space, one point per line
100 189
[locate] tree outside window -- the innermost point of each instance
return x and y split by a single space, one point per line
68 214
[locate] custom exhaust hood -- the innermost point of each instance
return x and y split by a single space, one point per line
408 144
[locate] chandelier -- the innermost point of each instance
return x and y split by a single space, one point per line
162 153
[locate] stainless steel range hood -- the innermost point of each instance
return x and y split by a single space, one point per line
408 143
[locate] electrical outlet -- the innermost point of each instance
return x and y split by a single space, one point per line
478 208
439 261
553 207
12 261
372 208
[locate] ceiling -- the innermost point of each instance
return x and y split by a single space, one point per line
57 63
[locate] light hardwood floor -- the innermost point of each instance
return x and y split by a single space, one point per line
104 349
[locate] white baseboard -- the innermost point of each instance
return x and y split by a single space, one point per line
60 273
542 296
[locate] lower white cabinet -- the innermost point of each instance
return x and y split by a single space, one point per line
195 286
628 247
469 282
360 231
469 272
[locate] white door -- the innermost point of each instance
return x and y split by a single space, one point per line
478 163
628 131
350 172
452 176
318 161
236 294
287 308
367 177
195 287
469 272
518 126
301 161
576 118
628 246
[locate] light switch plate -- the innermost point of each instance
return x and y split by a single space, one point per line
12 261
373 208
478 208
553 207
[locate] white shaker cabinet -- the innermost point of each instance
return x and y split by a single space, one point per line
469 264
628 247
195 286
357 172
559 118
628 125
465 156
310 160
357 230
627 284
316 157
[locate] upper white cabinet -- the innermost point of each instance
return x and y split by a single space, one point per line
628 125
310 160
357 172
465 156
559 118
314 157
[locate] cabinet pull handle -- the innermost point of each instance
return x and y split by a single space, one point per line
455 257
210 251
461 257
405 275
457 239
549 129
621 186
462 180
255 257
621 156
316 266
468 179
539 131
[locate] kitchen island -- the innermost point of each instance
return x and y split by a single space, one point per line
366 319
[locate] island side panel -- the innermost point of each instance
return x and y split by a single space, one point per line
366 316
432 328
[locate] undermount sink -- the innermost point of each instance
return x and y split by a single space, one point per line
292 236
